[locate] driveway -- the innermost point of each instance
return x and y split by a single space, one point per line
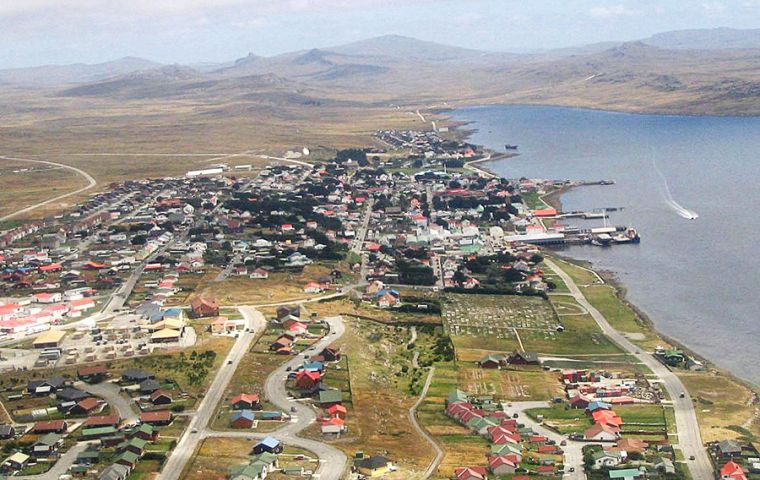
112 394
62 465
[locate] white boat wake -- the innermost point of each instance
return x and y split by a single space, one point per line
678 208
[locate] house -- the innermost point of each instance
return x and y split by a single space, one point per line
102 421
246 401
47 445
128 459
597 405
162 417
135 375
92 374
632 445
602 433
268 444
160 397
7 432
148 386
665 465
328 398
146 432
115 472
338 411
328 354
732 471
98 432
333 425
49 339
388 301
501 465
204 307
135 445
259 274
242 419
729 449
313 287
85 407
45 387
52 426
628 474
373 466
70 394
283 313
607 417
492 361
608 459
545 470
17 461
519 357
280 343
470 473
308 380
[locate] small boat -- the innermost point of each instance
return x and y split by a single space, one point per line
510 147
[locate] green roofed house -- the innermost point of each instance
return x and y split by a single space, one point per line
128 459
88 457
248 472
457 396
135 445
506 449
628 474
328 398
97 432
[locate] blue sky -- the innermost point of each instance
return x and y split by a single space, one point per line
35 32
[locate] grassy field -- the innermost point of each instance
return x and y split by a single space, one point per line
725 408
279 287
35 185
379 368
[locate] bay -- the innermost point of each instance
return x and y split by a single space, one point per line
696 279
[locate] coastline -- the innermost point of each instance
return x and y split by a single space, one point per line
554 199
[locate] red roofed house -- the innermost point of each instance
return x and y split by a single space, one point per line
732 471
338 410
470 473
204 307
246 401
546 470
307 380
501 465
545 212
313 287
162 417
607 417
333 425
53 426
102 421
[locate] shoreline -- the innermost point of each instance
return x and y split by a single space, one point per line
554 199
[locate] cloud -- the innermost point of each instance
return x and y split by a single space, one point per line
714 8
612 12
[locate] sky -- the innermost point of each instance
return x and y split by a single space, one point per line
37 32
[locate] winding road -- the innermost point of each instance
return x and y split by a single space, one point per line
91 182
332 462
689 437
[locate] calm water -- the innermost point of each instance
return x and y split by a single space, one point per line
698 280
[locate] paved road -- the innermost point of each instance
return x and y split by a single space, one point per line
332 461
62 465
361 235
471 165
689 437
573 450
91 182
193 434
112 394
424 434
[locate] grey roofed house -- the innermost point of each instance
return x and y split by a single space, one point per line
54 383
7 431
665 465
115 472
149 386
372 462
730 448
136 375
151 311
71 394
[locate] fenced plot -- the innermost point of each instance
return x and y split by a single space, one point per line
497 315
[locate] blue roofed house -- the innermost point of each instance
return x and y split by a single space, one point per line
242 419
269 444
597 405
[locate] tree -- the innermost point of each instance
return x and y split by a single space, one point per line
139 240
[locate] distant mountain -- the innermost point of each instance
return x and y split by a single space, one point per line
706 39
156 82
407 48
50 75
